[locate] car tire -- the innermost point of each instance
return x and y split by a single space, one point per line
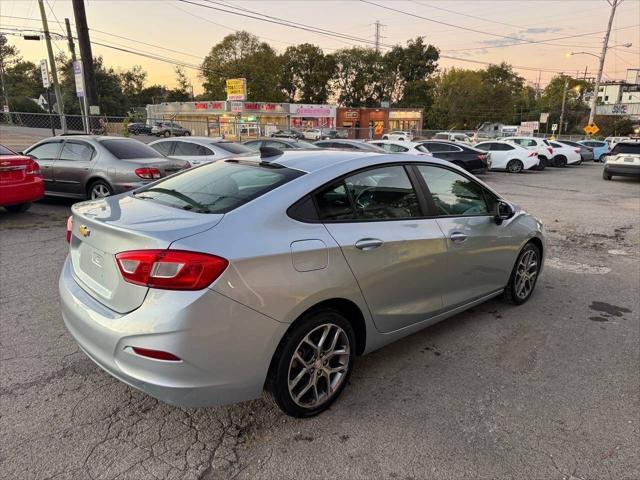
299 380
401 139
601 158
19 208
515 166
524 275
167 133
187 134
560 161
606 176
99 189
384 137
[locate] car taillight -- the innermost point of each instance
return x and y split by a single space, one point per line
550 149
148 173
533 154
577 150
482 158
170 269
33 169
69 228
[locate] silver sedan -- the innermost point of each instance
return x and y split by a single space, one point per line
197 150
93 166
277 271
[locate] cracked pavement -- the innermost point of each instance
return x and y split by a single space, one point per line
547 390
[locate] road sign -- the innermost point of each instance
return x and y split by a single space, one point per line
591 129
554 127
44 71
79 78
236 89
544 117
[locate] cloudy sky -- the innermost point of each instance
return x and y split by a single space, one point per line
533 35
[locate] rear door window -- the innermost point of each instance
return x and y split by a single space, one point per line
164 148
77 151
125 149
188 149
218 187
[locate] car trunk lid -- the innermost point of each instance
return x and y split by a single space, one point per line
14 168
105 227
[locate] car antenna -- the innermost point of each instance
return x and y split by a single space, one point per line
268 152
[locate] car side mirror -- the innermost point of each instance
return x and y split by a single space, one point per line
503 212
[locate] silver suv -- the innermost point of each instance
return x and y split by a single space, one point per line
168 129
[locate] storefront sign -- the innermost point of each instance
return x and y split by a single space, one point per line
530 125
236 107
236 89
211 106
405 115
312 111
264 107
352 114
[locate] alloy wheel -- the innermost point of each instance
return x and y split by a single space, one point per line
319 365
526 274
99 190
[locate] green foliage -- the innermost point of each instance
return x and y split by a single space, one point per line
242 55
306 72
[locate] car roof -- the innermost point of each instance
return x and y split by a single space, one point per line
192 139
404 143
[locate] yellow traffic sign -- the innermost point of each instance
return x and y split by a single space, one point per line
591 129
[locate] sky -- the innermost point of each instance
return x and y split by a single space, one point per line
469 31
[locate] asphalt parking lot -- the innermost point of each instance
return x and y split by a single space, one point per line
548 390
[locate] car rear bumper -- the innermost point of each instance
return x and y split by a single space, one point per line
17 193
225 348
622 170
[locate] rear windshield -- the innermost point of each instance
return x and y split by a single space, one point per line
218 187
233 147
125 149
626 148
5 151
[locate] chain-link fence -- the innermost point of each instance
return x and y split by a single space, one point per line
21 129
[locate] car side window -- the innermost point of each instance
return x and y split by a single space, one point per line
45 151
453 194
502 147
392 147
76 151
190 149
275 144
383 193
163 148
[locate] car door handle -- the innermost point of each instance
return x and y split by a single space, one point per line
458 237
368 243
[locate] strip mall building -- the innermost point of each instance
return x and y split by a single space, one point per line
252 119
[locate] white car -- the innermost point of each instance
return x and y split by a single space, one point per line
613 141
453 137
198 150
623 160
508 156
541 145
312 134
564 155
398 135
399 146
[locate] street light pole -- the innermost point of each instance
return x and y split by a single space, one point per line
54 73
564 98
596 87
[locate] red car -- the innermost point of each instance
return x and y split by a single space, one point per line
20 181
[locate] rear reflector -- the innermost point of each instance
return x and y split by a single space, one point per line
148 173
156 354
170 269
69 228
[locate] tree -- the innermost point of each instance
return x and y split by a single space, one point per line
357 77
242 55
575 106
21 78
132 83
305 73
182 92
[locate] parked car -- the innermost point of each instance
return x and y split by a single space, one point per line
623 160
401 146
276 272
540 145
347 144
586 153
612 141
312 134
600 149
91 166
291 133
280 143
168 129
20 181
197 150
465 156
564 155
453 137
329 134
398 135
509 156
139 128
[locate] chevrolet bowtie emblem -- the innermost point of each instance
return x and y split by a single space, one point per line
84 231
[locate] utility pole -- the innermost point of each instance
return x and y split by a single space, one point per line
72 49
605 45
377 37
4 89
54 73
91 91
564 98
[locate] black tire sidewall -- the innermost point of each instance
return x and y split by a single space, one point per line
510 289
278 381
